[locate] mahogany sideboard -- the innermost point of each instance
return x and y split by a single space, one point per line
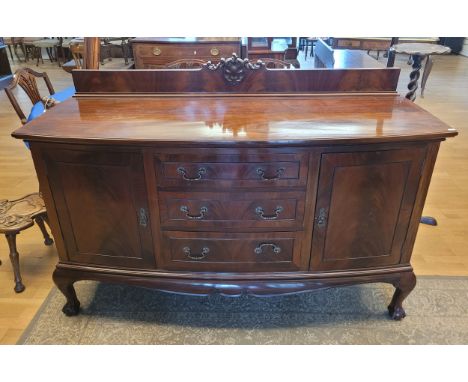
234 178
156 52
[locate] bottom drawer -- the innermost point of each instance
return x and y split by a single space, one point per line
221 252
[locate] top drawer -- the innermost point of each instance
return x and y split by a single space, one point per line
244 169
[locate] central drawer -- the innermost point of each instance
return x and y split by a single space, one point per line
221 210
247 169
231 252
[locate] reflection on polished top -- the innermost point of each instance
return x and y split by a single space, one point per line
225 120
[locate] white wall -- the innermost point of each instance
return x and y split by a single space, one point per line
465 47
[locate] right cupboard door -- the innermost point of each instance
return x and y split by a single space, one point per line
364 204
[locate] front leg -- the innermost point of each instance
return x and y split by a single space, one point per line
403 286
65 284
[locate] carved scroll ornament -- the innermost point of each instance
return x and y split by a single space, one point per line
234 69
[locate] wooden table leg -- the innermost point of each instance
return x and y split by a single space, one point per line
14 257
427 70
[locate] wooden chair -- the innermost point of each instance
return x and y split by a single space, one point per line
273 63
51 46
15 42
185 64
16 216
26 79
290 56
77 52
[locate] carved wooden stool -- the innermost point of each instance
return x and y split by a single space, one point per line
16 216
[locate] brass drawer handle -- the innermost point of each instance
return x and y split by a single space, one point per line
214 51
260 171
322 218
156 51
259 249
183 172
260 212
200 216
202 255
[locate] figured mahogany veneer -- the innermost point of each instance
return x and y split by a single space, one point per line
236 192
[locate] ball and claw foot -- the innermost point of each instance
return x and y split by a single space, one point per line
19 287
71 308
48 241
396 313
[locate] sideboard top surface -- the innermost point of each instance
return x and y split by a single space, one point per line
235 120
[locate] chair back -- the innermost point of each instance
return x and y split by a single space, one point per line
273 63
185 64
26 79
77 52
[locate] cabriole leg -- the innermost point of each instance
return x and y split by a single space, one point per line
65 284
14 257
403 286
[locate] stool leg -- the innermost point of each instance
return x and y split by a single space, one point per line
40 222
14 257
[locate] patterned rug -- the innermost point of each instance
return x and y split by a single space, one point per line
437 313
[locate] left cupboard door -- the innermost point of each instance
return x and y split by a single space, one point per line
101 203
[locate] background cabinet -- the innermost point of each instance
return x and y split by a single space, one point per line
156 52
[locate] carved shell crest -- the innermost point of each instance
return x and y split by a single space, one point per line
234 68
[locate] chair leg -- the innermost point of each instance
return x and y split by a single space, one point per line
11 54
14 257
40 222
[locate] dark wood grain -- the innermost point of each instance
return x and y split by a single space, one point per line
363 207
243 120
231 252
100 225
231 210
244 192
259 81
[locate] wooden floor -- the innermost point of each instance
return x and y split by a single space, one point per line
441 250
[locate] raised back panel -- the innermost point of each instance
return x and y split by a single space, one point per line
235 76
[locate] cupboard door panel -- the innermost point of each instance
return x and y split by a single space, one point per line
102 207
364 204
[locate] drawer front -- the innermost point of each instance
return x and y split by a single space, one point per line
221 252
242 170
217 211
376 45
348 43
154 54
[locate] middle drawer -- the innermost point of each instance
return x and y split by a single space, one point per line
219 210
